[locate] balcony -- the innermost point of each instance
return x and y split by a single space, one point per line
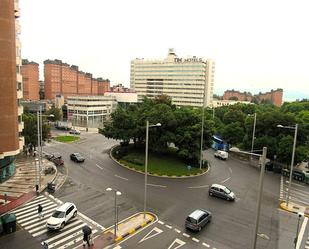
17 9
19 94
21 143
20 110
20 126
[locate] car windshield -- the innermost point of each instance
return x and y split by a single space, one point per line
58 214
191 220
227 190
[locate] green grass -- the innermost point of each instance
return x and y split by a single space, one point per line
66 139
169 165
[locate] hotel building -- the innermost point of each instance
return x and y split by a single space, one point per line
188 81
11 140
67 80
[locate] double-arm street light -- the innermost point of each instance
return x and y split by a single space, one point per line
117 193
295 128
146 162
253 133
40 132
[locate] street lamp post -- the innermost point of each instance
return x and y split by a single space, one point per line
258 207
253 133
292 160
146 162
40 136
117 193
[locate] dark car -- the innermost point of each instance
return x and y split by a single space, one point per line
57 160
198 219
76 157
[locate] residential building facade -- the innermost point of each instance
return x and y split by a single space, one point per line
188 81
218 103
30 74
67 80
11 140
90 111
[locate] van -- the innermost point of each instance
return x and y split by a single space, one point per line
223 155
198 219
221 191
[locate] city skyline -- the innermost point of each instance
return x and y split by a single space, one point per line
254 49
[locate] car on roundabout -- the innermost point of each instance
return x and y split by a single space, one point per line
74 132
198 219
61 216
76 157
221 192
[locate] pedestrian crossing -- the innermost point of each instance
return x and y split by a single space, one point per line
299 192
71 236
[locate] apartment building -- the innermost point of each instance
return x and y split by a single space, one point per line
188 81
67 80
90 111
11 141
30 74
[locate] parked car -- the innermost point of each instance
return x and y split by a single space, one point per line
73 131
221 191
76 157
198 219
61 216
221 154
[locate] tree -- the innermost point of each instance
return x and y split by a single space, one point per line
30 129
232 116
56 112
233 133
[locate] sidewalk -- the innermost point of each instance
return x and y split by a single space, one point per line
20 188
125 228
295 208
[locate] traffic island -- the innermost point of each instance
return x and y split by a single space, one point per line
126 228
294 208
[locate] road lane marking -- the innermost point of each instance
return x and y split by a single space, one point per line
196 240
155 185
301 233
186 235
204 244
123 178
177 231
169 227
154 232
161 222
179 243
204 186
98 166
230 169
226 180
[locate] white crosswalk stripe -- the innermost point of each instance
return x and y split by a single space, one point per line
69 237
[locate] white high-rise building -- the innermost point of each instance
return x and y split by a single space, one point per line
188 81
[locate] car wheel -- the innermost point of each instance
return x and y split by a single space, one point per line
227 198
62 225
75 213
210 193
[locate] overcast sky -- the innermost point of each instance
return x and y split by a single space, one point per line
257 45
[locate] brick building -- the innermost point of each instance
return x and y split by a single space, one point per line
67 80
274 96
11 140
30 73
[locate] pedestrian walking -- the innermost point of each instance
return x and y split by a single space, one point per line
87 238
45 245
40 210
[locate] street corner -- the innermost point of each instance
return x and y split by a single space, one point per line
131 225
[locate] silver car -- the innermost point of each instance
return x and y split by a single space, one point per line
221 191
198 219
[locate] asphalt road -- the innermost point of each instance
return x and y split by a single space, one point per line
172 199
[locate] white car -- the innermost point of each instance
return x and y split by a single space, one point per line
221 154
73 131
61 216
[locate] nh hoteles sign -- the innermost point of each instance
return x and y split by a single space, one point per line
183 60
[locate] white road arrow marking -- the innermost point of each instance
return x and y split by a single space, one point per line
154 232
176 241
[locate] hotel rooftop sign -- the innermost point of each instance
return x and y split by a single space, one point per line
184 60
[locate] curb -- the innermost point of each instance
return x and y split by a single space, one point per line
135 229
155 175
283 207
